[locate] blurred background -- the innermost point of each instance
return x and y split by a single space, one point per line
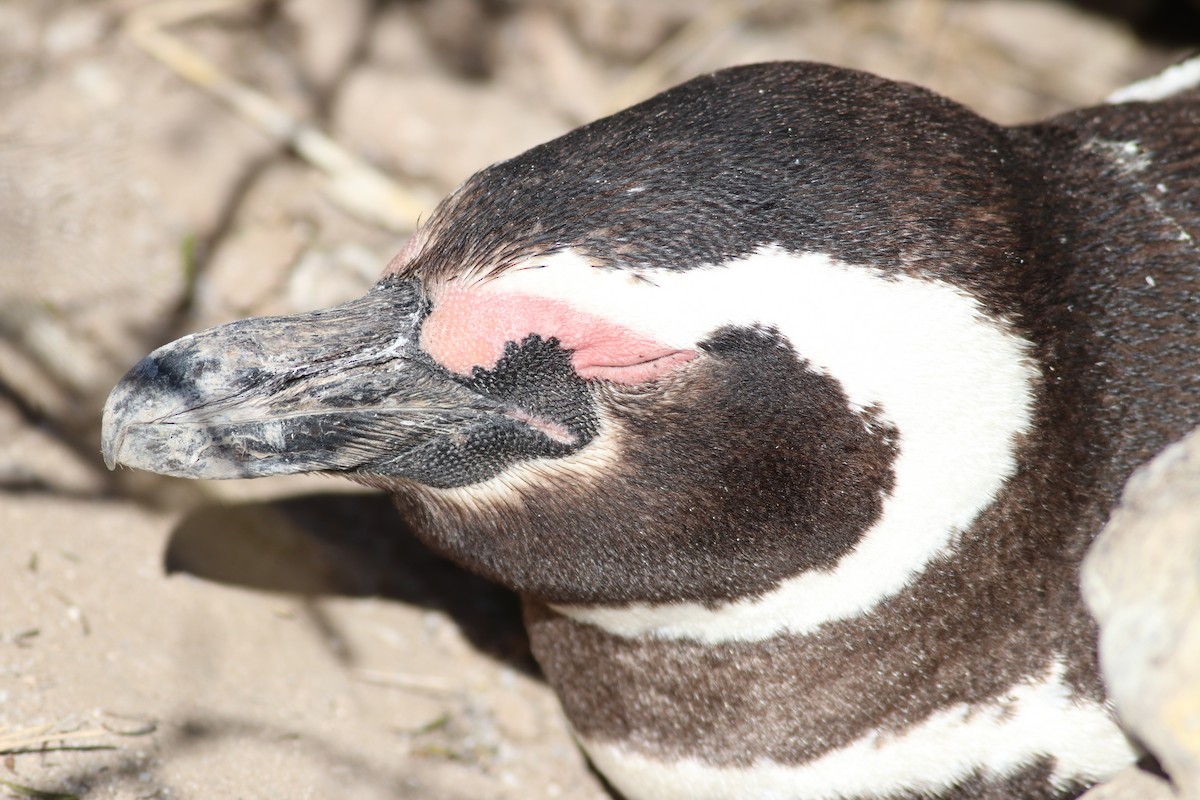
168 166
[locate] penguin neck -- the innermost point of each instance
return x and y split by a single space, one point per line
1120 240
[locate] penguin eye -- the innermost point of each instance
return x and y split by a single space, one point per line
469 328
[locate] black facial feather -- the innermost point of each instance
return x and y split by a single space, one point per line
534 381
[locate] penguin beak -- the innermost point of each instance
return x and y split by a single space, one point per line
341 389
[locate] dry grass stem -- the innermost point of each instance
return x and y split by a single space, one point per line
45 738
356 186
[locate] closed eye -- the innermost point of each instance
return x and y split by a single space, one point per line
636 368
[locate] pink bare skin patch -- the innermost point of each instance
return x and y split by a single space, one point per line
468 328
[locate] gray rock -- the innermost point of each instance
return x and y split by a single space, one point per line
1132 783
1142 582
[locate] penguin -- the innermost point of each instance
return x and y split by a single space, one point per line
789 400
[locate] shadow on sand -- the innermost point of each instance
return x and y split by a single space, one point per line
349 545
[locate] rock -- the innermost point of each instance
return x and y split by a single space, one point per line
328 34
33 458
433 128
1142 581
1132 783
75 29
325 278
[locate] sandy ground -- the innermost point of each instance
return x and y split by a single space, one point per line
167 639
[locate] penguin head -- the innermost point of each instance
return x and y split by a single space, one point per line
749 330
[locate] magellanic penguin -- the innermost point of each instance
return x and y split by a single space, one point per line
789 400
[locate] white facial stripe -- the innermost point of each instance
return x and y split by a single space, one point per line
1036 720
955 384
1171 81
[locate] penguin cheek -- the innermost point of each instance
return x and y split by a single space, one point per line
470 328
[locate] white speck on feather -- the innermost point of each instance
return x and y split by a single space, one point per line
1128 156
1129 159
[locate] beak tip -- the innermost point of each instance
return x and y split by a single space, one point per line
111 432
135 399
